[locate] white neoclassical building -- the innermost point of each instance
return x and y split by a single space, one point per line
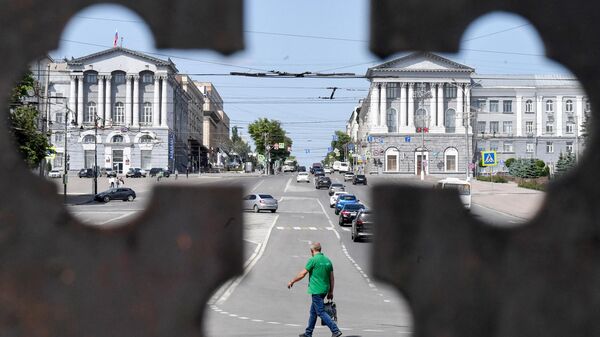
124 109
426 112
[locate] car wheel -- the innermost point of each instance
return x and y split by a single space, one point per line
130 198
273 210
255 209
340 222
106 198
336 212
355 237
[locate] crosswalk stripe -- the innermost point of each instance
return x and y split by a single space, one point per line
297 228
312 228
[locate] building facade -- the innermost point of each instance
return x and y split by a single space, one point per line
216 125
120 109
428 113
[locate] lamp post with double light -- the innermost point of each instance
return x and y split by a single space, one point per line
421 94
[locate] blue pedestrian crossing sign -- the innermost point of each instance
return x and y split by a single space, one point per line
488 158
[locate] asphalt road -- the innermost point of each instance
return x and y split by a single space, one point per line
277 248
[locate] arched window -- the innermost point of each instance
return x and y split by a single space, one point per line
90 113
392 157
147 113
421 120
529 106
450 118
392 120
549 105
117 139
119 113
569 106
89 139
146 139
451 160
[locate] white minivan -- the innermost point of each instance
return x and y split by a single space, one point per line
336 165
344 167
461 186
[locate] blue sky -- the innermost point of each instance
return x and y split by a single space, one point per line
331 36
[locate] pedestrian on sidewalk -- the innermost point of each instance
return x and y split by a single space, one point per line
320 285
111 180
121 181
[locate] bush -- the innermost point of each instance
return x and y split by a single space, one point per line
533 185
495 179
509 162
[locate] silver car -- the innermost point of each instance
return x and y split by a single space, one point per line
259 202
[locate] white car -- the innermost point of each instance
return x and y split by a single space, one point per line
302 176
333 198
55 174
348 176
327 170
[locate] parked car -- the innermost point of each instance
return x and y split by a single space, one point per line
336 187
302 176
134 173
348 176
55 174
333 198
348 212
121 193
156 170
359 179
110 172
327 170
343 200
260 202
322 182
86 173
362 225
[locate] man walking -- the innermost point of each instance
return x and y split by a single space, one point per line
320 285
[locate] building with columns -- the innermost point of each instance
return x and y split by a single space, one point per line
122 108
422 109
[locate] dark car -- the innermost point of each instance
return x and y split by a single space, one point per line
156 170
359 179
362 225
121 193
322 182
86 173
318 172
134 173
349 212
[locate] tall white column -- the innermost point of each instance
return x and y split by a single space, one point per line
459 108
559 116
136 101
79 99
101 99
440 107
467 116
128 100
374 106
519 125
411 107
579 112
156 102
108 105
402 118
72 98
383 107
163 109
433 117
539 116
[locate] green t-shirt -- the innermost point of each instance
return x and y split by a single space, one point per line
319 268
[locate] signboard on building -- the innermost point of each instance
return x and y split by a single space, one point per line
407 139
488 158
171 145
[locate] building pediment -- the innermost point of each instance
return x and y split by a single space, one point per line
120 55
419 62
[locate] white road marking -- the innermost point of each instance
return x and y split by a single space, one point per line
312 228
287 185
279 227
248 267
257 185
116 218
297 228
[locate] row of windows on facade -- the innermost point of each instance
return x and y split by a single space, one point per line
117 78
508 147
450 159
117 116
59 139
507 127
89 158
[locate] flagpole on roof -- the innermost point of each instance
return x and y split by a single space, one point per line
116 38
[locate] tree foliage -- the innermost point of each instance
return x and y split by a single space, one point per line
237 144
565 163
274 134
341 145
528 168
23 120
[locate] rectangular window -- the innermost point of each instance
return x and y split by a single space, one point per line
493 106
59 138
549 147
550 128
146 162
481 127
529 106
482 105
570 127
59 160
507 105
493 146
59 117
391 163
530 147
91 78
569 147
119 78
392 90
508 147
507 127
529 127
451 163
449 91
147 78
494 127
89 156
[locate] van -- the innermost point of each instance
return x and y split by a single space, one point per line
344 167
463 188
336 165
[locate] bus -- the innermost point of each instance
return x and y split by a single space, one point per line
463 188
289 166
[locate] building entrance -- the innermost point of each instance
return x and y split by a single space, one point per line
117 158
421 161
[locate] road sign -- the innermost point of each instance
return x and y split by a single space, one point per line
261 157
306 150
501 162
370 139
329 149
351 147
334 138
488 158
337 151
407 139
282 145
381 140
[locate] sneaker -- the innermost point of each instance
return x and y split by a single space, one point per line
304 335
336 334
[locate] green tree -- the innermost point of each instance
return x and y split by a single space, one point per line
565 163
265 131
341 145
237 144
23 120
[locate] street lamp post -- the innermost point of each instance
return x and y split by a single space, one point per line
421 95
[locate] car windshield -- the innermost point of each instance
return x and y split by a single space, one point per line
360 176
336 185
265 196
347 197
353 207
463 189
